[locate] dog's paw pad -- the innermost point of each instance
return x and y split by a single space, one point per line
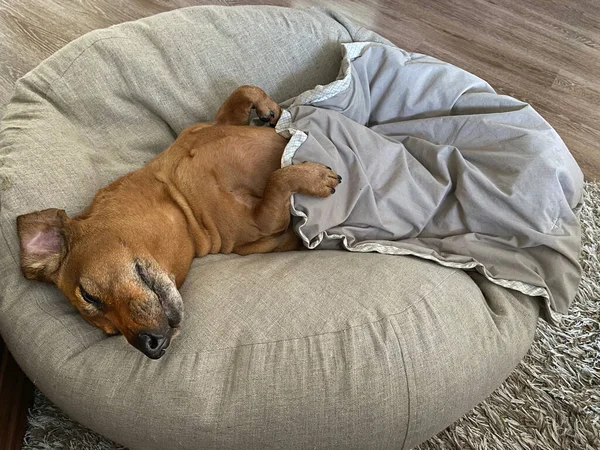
268 111
318 180
268 117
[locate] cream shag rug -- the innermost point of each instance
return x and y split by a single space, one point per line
551 400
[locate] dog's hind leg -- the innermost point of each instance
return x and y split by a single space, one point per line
272 214
285 242
236 109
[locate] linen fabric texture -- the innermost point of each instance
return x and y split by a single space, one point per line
314 349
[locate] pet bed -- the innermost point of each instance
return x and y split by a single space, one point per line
315 349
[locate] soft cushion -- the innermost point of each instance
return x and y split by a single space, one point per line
312 349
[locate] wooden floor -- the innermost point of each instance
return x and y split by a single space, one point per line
546 52
16 395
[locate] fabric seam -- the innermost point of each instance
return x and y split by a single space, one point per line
62 75
409 393
17 260
381 319
358 31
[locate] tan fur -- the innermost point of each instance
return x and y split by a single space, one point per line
218 188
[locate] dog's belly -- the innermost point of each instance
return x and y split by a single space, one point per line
222 172
237 159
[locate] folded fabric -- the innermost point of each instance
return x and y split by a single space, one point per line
437 165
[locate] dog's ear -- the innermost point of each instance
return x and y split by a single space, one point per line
42 236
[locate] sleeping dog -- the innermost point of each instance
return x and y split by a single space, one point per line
219 188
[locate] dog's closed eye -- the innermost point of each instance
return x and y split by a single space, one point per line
91 299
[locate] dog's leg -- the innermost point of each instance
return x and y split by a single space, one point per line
272 214
236 109
285 242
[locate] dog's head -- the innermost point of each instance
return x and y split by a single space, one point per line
114 282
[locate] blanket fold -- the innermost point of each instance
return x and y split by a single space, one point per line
437 165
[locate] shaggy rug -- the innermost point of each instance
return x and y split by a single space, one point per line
551 400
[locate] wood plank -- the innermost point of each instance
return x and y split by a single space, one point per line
16 396
579 88
544 51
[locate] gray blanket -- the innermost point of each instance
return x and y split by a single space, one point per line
437 165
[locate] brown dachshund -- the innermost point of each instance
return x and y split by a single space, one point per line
219 188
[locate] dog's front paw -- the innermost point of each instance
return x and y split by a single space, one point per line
268 111
317 180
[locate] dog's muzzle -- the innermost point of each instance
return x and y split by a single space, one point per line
154 343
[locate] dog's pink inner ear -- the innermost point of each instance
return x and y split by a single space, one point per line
42 243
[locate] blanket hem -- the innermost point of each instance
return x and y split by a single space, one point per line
298 137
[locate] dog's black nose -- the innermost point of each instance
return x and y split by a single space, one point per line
153 344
